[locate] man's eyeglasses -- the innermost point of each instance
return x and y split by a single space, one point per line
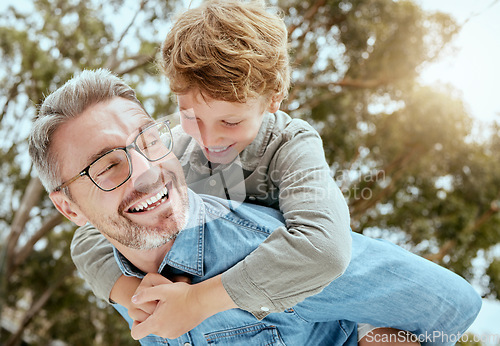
114 168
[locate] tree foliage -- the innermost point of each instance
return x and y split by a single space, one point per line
404 154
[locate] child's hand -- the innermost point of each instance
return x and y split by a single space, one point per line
174 308
180 306
139 312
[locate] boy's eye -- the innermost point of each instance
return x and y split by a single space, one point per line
227 123
188 115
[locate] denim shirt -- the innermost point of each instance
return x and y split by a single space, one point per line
217 237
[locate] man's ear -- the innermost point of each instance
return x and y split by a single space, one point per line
275 103
68 208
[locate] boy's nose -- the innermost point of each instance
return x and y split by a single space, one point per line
211 135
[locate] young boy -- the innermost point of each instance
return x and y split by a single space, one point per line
227 62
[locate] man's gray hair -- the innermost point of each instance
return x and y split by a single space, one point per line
69 101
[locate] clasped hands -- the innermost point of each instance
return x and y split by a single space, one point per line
169 309
163 307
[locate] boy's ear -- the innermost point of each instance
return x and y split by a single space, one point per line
68 208
275 103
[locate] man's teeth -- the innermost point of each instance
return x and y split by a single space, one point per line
144 205
218 150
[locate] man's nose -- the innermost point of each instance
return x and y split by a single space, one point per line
144 172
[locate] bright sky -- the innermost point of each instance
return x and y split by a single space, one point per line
474 69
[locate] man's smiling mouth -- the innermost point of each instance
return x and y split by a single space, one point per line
152 202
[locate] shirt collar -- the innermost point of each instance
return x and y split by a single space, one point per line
186 253
259 144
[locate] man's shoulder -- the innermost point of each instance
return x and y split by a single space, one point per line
251 216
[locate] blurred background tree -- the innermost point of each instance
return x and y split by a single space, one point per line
404 154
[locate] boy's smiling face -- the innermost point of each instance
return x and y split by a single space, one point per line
222 128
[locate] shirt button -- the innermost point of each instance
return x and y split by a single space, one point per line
212 182
252 198
264 308
187 344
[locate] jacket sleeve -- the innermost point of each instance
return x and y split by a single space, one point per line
314 248
93 256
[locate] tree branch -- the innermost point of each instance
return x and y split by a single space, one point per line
112 62
479 221
443 251
360 206
31 196
346 82
307 16
36 307
141 60
10 96
55 219
493 3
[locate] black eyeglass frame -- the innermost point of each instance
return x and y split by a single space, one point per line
85 171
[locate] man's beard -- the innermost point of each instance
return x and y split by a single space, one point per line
138 237
169 223
135 236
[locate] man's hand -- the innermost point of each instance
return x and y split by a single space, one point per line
179 306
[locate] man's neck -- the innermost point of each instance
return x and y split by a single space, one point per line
147 261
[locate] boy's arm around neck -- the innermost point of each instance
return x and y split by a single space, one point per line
315 246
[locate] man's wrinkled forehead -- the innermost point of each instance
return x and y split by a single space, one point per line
126 114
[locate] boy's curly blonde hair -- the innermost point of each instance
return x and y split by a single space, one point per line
228 50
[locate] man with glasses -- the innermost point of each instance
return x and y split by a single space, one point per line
132 189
